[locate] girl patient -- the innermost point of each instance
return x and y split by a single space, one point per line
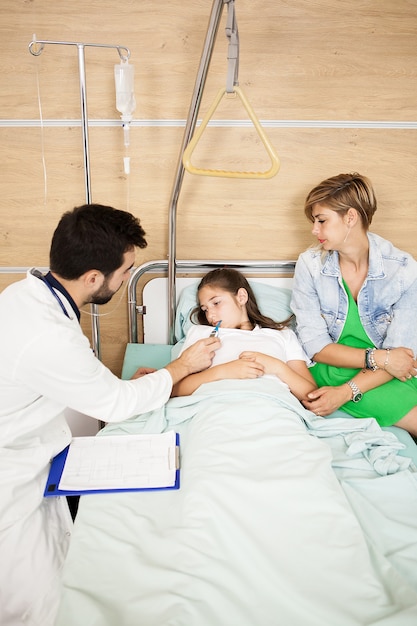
252 345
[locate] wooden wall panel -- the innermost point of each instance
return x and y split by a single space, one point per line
216 216
318 74
299 60
259 219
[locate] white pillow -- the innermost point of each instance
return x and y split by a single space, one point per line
274 302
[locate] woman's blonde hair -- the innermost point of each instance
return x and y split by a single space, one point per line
342 192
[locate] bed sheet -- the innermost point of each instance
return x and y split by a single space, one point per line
158 355
282 518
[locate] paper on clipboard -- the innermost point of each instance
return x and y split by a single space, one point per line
120 462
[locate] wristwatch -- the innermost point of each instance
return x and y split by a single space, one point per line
357 394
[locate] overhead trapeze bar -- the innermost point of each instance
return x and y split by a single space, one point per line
275 164
231 91
231 85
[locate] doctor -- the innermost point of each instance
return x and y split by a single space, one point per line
47 365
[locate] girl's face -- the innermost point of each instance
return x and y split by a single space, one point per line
218 304
330 228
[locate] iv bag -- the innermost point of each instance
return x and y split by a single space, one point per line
124 82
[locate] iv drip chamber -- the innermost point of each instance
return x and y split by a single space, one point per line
124 74
125 101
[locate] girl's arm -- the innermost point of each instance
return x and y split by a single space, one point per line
294 373
232 369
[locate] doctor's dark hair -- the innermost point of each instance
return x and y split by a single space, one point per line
230 280
93 236
342 192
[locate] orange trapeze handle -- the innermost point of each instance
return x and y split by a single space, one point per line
186 158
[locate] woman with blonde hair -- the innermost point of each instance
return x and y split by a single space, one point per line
354 299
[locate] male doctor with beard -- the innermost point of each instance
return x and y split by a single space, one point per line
46 366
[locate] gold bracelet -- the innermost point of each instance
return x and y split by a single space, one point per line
386 359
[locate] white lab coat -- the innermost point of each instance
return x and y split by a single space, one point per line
46 365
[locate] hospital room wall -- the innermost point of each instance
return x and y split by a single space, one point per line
334 85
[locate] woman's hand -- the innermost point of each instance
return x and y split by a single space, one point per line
398 362
325 400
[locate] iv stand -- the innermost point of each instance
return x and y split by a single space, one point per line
35 48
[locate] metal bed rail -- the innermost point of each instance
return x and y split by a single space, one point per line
279 268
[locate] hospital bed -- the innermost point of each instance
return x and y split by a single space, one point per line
273 290
281 517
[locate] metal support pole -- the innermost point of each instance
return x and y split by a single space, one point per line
95 320
216 13
84 121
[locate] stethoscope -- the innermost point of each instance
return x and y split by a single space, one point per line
41 277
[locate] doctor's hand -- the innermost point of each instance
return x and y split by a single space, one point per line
196 358
325 400
142 371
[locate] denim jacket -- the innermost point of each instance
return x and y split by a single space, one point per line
387 301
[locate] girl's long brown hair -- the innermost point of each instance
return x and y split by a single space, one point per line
231 280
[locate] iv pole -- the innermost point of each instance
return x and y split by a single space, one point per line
35 48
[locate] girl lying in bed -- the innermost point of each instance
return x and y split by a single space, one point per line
253 345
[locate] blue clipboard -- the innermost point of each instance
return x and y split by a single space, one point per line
57 467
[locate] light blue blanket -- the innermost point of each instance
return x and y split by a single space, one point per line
263 529
361 442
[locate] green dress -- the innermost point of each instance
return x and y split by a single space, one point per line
387 403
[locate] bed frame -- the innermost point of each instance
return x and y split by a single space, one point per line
157 328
